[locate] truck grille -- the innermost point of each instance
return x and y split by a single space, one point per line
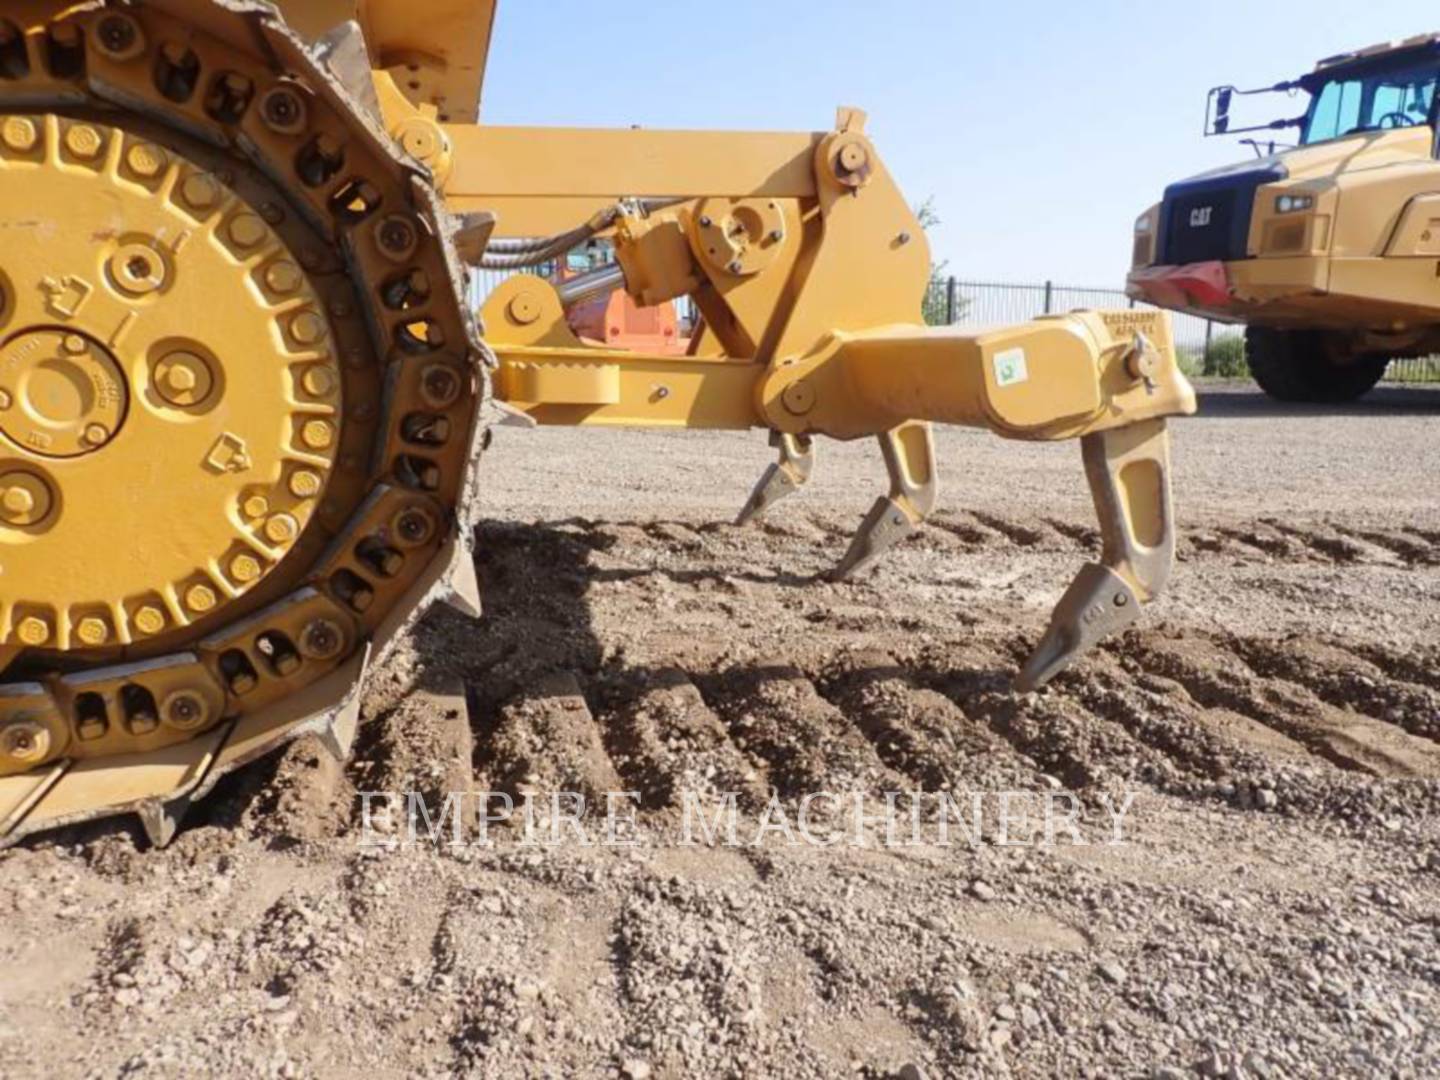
1207 218
1198 228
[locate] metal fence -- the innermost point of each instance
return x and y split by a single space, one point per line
951 300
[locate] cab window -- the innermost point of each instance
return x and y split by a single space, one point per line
1381 101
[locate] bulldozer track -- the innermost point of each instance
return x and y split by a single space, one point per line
215 124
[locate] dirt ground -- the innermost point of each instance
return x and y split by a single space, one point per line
1274 911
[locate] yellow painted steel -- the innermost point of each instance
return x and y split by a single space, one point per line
241 400
222 432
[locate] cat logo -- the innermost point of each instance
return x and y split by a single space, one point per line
1200 217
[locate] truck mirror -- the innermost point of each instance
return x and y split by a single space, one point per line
1222 111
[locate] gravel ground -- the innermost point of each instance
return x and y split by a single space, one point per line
1274 725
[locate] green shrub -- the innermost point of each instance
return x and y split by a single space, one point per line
1225 358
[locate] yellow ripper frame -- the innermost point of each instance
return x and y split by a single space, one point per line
808 268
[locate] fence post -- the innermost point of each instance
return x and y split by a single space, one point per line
952 300
1208 363
1049 297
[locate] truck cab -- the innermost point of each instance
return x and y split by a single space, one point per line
1328 250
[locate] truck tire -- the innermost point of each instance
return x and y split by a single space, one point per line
1302 366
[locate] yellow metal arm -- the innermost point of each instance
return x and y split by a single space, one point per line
808 267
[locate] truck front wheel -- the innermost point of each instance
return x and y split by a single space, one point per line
1309 366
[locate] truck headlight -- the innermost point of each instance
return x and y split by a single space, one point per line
1289 204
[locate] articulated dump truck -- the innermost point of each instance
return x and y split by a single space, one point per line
244 403
1328 248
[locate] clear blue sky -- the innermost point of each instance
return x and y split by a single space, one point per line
1040 129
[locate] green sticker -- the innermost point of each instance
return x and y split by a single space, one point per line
1010 367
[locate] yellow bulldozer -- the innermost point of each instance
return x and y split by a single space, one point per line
1328 249
243 403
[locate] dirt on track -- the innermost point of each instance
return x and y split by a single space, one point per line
1275 912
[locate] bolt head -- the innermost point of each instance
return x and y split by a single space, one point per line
247 230
96 434
283 276
146 160
245 569
305 484
282 529
84 141
414 526
92 631
283 111
317 434
307 328
186 710
200 599
119 36
17 502
319 381
26 742
440 386
149 620
322 639
200 191
19 134
33 630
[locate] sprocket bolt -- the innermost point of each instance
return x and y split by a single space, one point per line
92 631
19 134
33 630
149 620
200 599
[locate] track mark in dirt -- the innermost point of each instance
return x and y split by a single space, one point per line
1085 536
666 742
1420 666
1334 545
1017 532
1211 742
918 731
1051 730
1419 552
967 531
1267 540
777 715
1216 677
1339 677
547 741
